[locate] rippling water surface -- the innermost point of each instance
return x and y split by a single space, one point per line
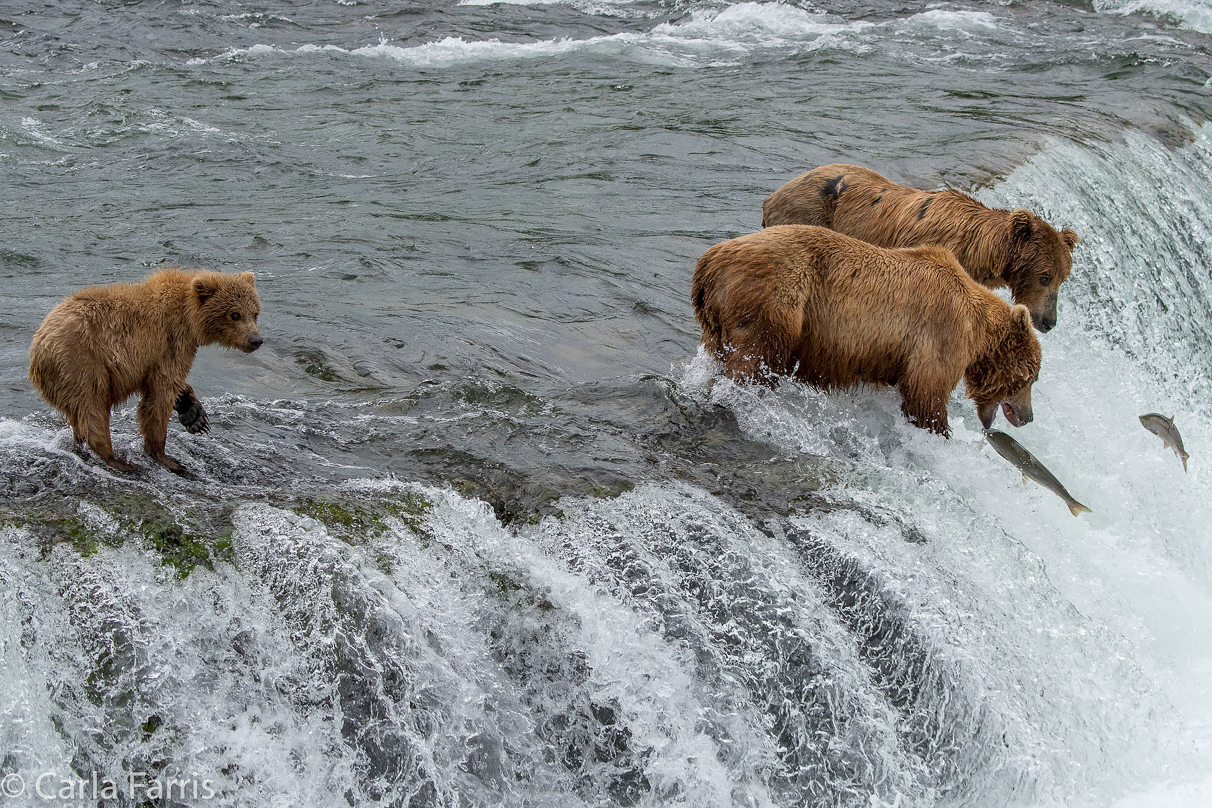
475 526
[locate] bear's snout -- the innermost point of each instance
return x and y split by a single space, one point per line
1044 319
1044 322
254 342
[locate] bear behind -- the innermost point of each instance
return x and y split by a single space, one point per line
839 312
997 247
103 344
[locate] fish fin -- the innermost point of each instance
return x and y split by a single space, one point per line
1076 507
1184 464
1026 479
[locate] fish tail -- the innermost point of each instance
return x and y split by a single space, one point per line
1076 507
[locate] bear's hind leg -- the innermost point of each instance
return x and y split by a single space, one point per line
92 427
77 438
155 410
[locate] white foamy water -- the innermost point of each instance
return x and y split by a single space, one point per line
453 51
1194 15
981 21
759 23
707 38
511 2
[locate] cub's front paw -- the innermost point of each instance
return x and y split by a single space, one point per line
190 413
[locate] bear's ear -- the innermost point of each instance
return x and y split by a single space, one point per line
248 278
1020 315
1020 224
204 289
1069 236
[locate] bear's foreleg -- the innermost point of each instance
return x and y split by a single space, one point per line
925 408
759 347
753 357
154 413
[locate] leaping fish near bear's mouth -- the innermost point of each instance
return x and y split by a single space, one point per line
1031 468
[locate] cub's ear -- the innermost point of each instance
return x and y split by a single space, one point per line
1020 315
204 289
1020 224
248 278
1069 236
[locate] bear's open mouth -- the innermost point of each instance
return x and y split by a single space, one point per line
1011 414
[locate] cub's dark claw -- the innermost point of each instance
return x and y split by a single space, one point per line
191 414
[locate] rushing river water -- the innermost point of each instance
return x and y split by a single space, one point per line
476 528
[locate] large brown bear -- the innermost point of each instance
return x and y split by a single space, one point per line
839 312
103 344
997 247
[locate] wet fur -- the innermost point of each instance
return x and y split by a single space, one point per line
838 312
997 247
102 345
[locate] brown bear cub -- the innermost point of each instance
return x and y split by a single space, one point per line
997 247
101 345
839 312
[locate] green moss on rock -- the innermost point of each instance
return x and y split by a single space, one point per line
358 518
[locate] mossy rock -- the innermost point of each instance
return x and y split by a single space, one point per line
183 550
203 539
183 544
359 518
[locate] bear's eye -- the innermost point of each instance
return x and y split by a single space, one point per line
235 315
1045 280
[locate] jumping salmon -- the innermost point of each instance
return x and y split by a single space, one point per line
1031 468
1164 428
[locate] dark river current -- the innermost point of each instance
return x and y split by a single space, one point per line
477 526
